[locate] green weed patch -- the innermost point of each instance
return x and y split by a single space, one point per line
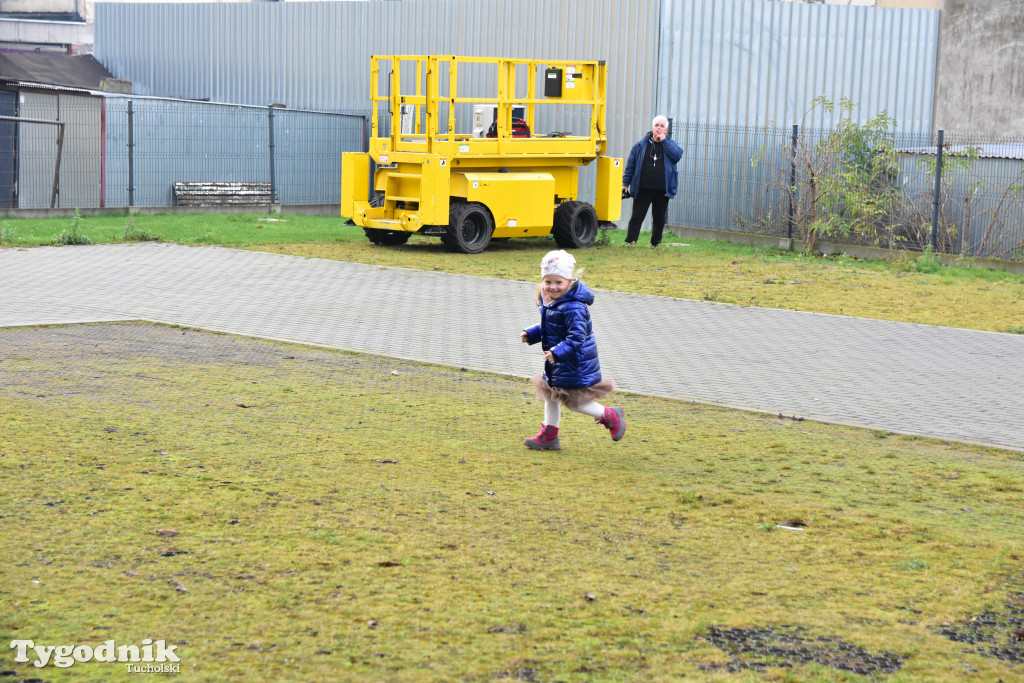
289 513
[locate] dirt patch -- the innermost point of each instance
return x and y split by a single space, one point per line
994 633
164 347
764 647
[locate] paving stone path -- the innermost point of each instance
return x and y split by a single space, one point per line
939 382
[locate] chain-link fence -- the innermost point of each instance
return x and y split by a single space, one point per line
957 194
74 151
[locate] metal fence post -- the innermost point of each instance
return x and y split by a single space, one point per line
131 158
270 128
792 183
938 190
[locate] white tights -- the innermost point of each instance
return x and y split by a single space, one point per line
553 411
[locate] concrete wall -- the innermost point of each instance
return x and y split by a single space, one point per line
37 6
910 4
980 88
900 4
47 33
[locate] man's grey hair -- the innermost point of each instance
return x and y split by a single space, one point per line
657 118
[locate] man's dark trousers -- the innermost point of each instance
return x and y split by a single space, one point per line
658 203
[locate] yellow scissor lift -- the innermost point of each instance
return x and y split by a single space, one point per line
467 189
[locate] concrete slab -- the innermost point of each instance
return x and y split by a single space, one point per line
940 382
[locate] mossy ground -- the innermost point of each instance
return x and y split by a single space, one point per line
301 556
703 271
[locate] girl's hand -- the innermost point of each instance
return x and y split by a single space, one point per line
523 336
549 356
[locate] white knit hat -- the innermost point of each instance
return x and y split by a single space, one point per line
559 263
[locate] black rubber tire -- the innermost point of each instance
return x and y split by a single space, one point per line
385 238
470 227
575 225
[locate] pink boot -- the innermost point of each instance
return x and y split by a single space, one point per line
614 421
546 439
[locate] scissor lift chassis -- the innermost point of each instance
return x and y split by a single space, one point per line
467 189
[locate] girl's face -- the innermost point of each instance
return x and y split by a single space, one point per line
554 286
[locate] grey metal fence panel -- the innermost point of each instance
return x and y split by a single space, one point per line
8 147
185 141
78 183
981 209
178 141
308 154
37 150
719 181
115 152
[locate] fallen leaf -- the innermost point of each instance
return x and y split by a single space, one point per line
372 623
589 597
180 587
167 532
388 461
242 405
389 563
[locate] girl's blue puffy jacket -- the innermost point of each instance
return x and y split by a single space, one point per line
565 331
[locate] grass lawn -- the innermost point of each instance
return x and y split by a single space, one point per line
280 512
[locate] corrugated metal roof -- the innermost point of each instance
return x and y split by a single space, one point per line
76 71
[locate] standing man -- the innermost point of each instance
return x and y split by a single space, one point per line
652 179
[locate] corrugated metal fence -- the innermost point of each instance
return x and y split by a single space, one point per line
316 56
742 62
739 62
730 67
732 64
751 62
